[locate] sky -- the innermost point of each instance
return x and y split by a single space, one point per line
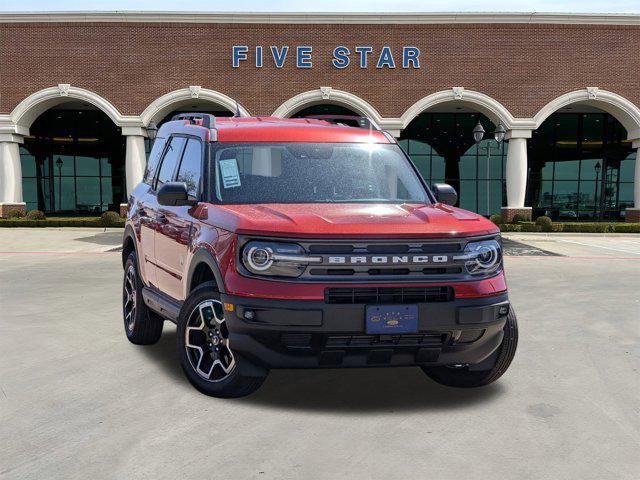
397 6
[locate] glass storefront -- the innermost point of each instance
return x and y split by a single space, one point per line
580 168
442 147
73 163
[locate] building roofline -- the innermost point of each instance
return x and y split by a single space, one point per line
321 18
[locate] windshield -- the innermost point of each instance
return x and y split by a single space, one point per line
314 173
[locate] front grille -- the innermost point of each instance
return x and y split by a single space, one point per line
307 341
413 260
354 341
389 295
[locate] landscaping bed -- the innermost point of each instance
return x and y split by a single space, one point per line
545 224
33 219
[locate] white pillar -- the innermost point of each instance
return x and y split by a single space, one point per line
10 174
636 181
516 174
136 158
633 214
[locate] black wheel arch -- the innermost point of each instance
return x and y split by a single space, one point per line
203 259
129 243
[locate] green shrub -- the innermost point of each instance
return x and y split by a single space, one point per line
497 219
15 214
545 223
110 219
557 227
530 227
587 227
510 227
627 228
517 218
35 215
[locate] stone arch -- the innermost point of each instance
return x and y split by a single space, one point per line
163 105
330 96
622 109
29 109
480 102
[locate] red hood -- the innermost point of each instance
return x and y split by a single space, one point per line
348 220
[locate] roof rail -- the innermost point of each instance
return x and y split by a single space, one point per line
207 120
349 120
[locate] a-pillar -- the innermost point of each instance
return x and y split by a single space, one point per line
516 175
135 160
633 214
10 175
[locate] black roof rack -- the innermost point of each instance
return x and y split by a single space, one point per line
349 120
208 120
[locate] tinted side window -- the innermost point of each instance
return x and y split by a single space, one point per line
154 160
191 167
170 160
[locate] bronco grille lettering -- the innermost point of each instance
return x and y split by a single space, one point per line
394 259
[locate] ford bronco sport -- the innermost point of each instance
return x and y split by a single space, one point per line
305 243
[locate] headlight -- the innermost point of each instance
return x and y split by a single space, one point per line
276 259
482 258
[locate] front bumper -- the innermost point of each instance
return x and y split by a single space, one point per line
310 334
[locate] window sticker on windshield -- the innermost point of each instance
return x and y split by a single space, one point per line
229 173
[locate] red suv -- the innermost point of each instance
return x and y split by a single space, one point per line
305 243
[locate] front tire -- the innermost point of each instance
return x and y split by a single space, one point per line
206 354
142 326
462 377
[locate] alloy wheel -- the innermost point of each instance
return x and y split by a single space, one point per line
129 298
207 342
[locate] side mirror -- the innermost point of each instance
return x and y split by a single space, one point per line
445 193
174 194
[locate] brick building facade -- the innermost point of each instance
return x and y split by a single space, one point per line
517 70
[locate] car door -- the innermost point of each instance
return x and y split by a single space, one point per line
173 233
166 171
145 210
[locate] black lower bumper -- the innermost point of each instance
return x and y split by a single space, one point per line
309 334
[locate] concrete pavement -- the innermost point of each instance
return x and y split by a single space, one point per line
79 401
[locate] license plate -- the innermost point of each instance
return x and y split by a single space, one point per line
391 319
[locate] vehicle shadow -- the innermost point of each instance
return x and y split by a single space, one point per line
165 354
348 391
364 390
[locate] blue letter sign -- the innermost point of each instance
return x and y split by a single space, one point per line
366 56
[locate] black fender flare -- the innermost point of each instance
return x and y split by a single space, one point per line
204 256
129 233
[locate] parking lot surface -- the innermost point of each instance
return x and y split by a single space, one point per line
77 400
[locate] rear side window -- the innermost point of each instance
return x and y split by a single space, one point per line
191 167
154 160
170 160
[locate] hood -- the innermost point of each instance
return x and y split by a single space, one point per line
318 220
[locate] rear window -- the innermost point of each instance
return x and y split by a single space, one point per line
314 173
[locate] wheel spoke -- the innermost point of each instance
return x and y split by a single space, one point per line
207 342
129 298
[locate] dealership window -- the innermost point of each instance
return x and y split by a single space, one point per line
580 168
442 147
73 163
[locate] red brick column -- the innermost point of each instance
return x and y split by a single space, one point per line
632 215
508 213
5 208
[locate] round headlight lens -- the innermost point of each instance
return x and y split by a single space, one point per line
275 259
483 257
260 258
